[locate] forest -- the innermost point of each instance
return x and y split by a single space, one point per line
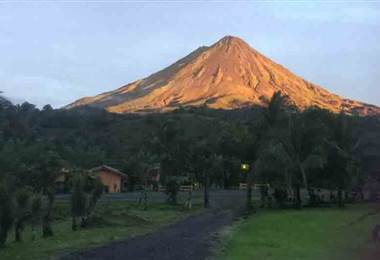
288 149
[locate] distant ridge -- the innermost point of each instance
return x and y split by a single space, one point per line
3 101
226 75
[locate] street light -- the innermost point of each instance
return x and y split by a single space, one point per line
244 167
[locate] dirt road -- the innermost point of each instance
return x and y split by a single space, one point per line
192 238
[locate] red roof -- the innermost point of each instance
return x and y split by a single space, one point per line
110 169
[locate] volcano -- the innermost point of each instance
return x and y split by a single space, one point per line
226 75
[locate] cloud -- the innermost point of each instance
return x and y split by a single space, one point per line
348 14
41 90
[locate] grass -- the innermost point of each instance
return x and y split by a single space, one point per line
305 234
113 221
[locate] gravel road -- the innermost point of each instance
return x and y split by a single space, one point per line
191 238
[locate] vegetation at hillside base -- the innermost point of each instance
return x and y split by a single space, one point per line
310 158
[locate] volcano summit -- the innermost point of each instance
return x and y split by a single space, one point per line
226 75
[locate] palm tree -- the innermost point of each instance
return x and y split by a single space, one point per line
262 132
304 145
299 134
343 150
274 111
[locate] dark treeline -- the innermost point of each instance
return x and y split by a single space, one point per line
286 148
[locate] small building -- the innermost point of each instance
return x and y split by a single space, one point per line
112 179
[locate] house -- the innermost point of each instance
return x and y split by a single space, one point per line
112 179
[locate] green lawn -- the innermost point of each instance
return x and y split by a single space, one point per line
115 220
306 234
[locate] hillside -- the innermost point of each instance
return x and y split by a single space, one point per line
226 75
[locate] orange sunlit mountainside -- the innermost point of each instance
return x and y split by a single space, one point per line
227 75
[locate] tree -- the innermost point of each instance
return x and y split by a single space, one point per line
172 189
36 205
141 164
46 165
291 144
168 143
96 191
265 131
4 103
78 200
232 145
343 161
22 212
303 144
86 193
47 108
297 139
205 166
6 211
274 113
273 167
169 146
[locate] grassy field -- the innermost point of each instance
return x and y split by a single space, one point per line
114 221
306 234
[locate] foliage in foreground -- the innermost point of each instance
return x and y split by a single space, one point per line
285 148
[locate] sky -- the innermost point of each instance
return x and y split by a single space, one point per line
54 52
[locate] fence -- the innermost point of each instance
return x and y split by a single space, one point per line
184 188
243 186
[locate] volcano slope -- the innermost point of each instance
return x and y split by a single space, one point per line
226 75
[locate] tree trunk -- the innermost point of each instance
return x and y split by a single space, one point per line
225 180
6 223
249 204
47 231
18 231
312 198
262 196
249 196
3 237
74 225
289 184
361 195
34 233
332 198
83 222
346 197
145 199
206 199
141 197
304 177
46 227
340 198
298 200
189 203
291 194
